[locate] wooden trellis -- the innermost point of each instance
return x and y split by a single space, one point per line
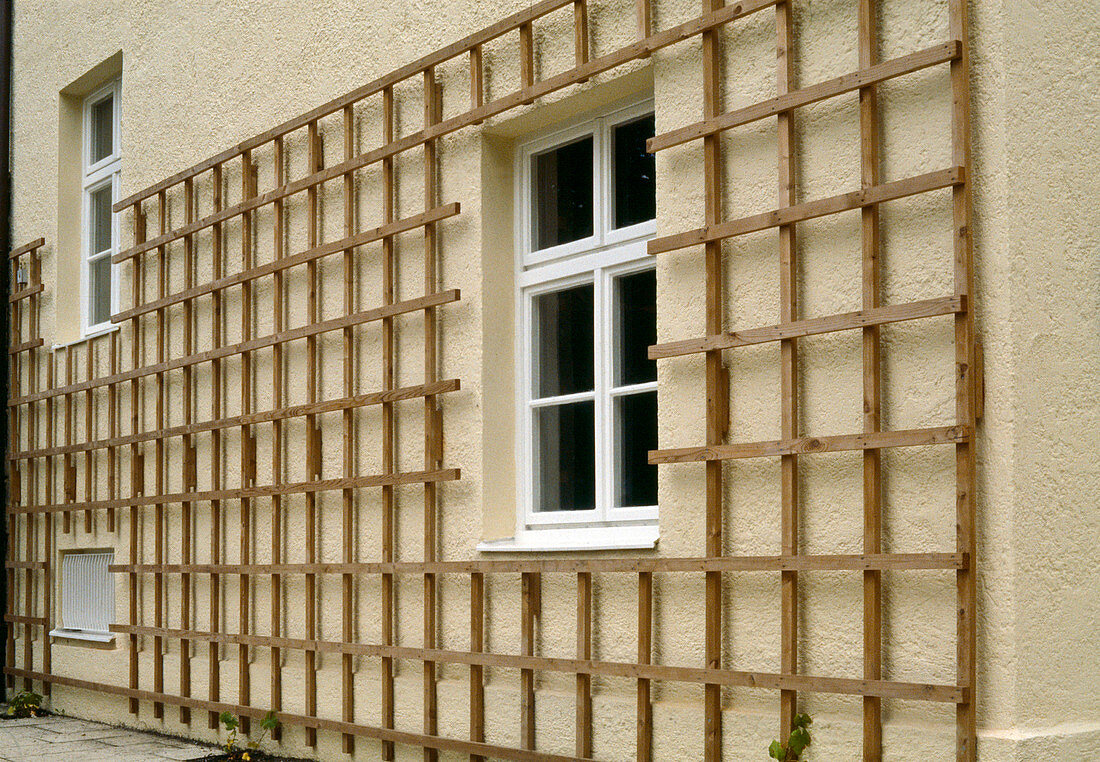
191 444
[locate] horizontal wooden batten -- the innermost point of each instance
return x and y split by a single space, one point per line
267 416
844 202
29 291
461 47
728 677
547 86
32 344
859 563
19 251
366 316
293 488
810 445
20 619
25 564
947 305
286 718
283 263
938 54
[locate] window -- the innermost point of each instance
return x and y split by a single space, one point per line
586 308
87 597
101 163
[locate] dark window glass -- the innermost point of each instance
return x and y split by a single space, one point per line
635 173
563 342
101 219
636 431
102 126
99 307
565 442
562 181
636 318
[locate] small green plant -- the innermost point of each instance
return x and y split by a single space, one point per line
796 743
233 751
25 704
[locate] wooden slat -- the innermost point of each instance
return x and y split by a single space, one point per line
387 444
811 445
584 653
870 170
965 389
311 254
348 512
717 387
26 345
158 458
789 377
527 663
190 466
26 292
830 563
267 416
645 656
866 76
844 202
19 251
220 351
278 396
477 672
137 485
529 591
314 456
873 316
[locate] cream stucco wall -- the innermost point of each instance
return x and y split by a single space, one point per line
198 77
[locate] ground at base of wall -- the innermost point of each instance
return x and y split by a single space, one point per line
56 738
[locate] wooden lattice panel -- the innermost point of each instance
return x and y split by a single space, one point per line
243 434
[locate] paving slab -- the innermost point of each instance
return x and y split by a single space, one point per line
58 739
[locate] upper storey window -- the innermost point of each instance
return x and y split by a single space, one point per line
586 297
101 163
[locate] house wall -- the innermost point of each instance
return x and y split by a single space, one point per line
201 76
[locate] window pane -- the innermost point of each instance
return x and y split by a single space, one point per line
565 444
99 291
562 183
100 221
635 173
563 342
102 126
636 320
636 432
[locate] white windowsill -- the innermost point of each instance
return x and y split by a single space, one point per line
96 637
101 331
575 538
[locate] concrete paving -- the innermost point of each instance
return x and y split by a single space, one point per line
59 739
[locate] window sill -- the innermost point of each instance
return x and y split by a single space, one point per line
101 331
94 637
575 539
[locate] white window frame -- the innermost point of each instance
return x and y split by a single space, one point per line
598 259
94 177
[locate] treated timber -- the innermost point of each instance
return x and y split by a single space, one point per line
871 282
812 445
845 202
873 316
859 563
866 76
911 691
219 352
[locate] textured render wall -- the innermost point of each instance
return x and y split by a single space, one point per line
198 77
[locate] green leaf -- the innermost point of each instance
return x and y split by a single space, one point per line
269 721
800 739
776 751
229 721
803 720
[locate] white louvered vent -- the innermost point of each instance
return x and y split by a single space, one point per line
87 596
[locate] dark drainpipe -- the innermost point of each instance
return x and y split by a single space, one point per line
5 287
